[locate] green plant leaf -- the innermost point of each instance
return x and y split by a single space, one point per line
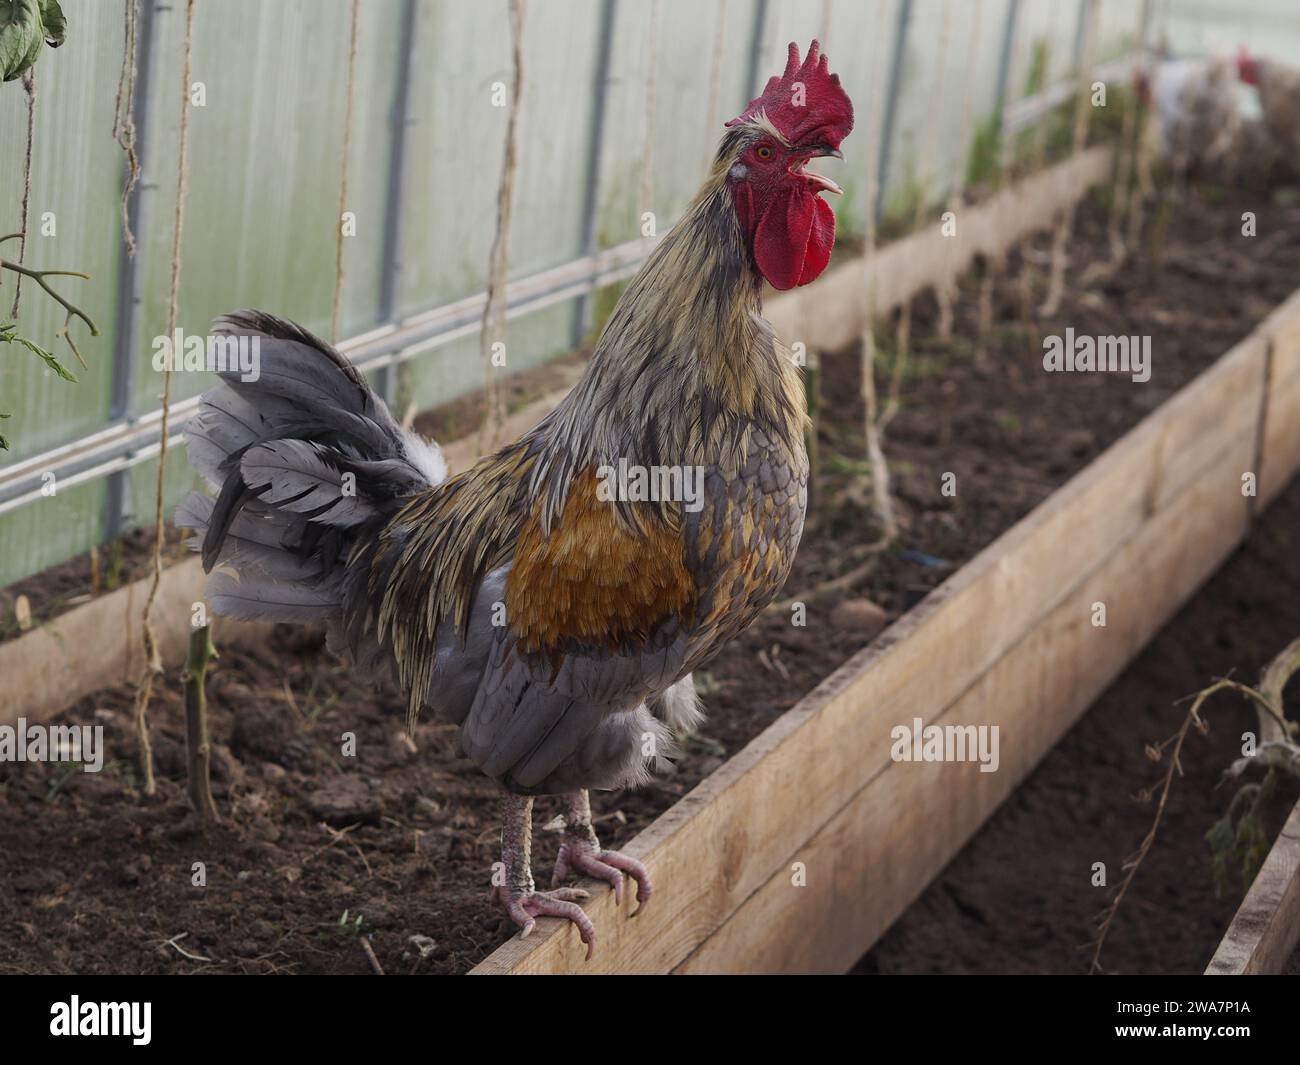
48 358
8 335
56 25
26 25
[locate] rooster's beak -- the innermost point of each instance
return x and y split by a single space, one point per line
821 181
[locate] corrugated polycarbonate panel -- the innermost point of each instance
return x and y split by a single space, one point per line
265 157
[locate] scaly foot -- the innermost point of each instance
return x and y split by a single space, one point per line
581 854
515 892
523 907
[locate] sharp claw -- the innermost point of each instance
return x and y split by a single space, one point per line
636 871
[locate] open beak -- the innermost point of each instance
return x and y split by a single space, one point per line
820 181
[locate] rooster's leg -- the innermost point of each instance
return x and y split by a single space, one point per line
581 853
517 894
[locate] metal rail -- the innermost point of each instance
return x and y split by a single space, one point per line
129 442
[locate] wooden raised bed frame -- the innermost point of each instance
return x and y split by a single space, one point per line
1007 640
1266 929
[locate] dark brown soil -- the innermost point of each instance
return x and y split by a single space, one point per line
1019 897
100 879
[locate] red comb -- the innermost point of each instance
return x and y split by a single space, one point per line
821 108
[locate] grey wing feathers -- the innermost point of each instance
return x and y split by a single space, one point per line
292 475
305 458
239 595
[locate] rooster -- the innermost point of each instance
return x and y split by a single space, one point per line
527 599
1278 86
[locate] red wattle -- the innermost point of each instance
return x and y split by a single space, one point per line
820 241
793 240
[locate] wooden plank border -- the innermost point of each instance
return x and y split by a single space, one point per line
1007 640
1140 528
1266 929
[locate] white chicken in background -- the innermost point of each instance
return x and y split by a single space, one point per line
1196 109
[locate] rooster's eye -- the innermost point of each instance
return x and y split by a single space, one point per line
764 152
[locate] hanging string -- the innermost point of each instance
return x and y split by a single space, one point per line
29 87
812 369
715 77
946 291
647 158
124 118
153 657
904 334
997 264
1122 194
1082 112
1146 139
1039 160
881 500
493 325
337 302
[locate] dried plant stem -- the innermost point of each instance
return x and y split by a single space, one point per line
995 265
946 291
29 87
1025 285
1082 111
1144 155
153 657
1121 196
1132 864
198 745
902 349
1275 732
715 75
71 310
124 117
493 326
882 501
336 303
646 195
926 165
